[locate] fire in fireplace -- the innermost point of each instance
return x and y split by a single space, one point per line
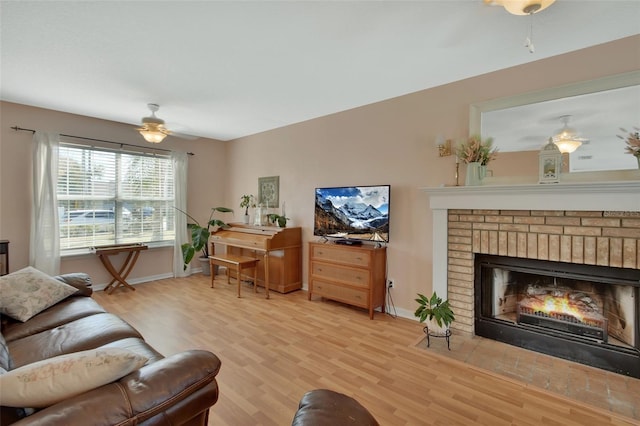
564 309
584 313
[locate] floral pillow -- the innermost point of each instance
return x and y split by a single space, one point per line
50 381
27 292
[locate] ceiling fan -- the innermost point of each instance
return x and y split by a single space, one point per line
154 130
567 138
523 7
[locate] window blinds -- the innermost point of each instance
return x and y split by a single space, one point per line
113 197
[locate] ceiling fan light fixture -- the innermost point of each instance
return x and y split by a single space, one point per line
567 146
153 134
567 138
522 7
152 129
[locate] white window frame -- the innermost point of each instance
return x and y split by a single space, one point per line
128 226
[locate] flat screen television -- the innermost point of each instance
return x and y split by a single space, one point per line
353 213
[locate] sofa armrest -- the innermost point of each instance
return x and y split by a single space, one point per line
326 407
172 391
79 280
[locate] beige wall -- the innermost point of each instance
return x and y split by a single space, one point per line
390 142
207 183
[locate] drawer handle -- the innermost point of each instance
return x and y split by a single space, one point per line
320 252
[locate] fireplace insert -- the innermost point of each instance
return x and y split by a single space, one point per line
583 313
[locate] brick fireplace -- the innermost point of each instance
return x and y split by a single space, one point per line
591 224
605 238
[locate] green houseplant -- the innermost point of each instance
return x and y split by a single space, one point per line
281 221
435 310
200 234
247 201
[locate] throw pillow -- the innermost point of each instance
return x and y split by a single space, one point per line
50 381
27 292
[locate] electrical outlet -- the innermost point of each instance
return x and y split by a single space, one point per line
389 283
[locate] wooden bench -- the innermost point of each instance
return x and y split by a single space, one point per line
239 263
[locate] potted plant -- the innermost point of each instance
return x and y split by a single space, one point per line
200 237
476 153
247 201
633 143
436 312
277 219
476 150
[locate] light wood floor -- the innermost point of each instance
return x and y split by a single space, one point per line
273 351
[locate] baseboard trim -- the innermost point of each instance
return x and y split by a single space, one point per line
399 312
134 281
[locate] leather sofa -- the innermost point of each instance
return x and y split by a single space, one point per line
176 390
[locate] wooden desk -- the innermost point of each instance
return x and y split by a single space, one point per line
280 249
119 276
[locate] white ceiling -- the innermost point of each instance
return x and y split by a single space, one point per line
226 69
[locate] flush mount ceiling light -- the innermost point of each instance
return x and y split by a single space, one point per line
567 139
522 7
152 129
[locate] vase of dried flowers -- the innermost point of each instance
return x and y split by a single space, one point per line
476 153
474 174
633 143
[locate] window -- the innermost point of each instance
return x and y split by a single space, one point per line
111 197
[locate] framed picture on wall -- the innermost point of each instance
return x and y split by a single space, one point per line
269 191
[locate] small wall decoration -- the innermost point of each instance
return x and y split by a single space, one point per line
550 163
269 191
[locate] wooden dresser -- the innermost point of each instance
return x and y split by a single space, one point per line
355 275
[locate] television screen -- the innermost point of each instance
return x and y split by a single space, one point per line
353 212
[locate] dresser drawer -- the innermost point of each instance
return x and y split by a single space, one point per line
333 272
350 295
348 256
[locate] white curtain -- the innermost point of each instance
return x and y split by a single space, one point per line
44 240
179 160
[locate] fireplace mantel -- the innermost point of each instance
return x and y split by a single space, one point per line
618 195
621 196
